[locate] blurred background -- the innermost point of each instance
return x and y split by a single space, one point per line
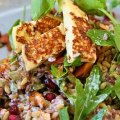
10 11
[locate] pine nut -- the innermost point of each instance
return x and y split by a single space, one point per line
7 89
103 85
24 81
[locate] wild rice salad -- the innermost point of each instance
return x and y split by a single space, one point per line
64 64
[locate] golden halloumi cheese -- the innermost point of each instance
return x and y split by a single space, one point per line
25 32
38 50
76 25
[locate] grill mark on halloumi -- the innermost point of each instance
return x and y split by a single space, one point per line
46 23
25 32
48 45
77 42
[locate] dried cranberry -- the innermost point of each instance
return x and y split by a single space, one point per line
110 79
14 117
50 84
50 96
14 110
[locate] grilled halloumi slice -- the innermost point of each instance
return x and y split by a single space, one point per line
25 32
38 50
76 25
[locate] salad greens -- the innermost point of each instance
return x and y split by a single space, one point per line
76 62
100 114
58 72
61 82
118 59
91 6
64 114
87 98
17 22
117 35
101 37
117 87
41 7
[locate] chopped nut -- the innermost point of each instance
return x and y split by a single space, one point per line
37 99
7 89
36 114
28 115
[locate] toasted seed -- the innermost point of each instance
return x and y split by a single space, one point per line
113 67
103 85
101 59
104 75
114 74
24 81
7 89
6 115
105 63
107 53
104 69
100 66
113 51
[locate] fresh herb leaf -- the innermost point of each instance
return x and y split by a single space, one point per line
54 70
100 114
41 7
118 59
117 87
87 98
117 35
64 114
76 62
58 73
101 37
61 82
14 58
79 102
17 22
116 27
91 6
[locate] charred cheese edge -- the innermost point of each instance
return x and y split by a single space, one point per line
76 25
25 32
48 45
